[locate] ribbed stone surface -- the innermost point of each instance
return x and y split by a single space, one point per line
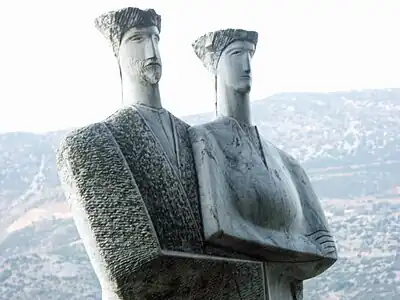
114 24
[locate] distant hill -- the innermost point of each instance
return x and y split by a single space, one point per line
348 141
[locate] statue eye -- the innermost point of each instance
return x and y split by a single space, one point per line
236 52
136 38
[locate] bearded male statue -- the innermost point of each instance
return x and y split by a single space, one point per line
133 191
255 198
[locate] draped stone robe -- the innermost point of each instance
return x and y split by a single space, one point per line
136 209
257 200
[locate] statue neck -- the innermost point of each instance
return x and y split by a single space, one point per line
231 103
136 92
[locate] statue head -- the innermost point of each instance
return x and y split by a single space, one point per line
134 36
227 54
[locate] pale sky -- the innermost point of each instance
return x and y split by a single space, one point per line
58 71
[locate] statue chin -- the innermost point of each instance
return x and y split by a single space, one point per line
151 75
243 88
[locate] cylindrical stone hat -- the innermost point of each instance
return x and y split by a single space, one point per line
114 24
210 46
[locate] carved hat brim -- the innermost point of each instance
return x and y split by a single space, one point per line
210 46
114 24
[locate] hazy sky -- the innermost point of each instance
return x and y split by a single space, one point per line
58 71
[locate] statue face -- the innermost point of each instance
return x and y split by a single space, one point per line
234 67
139 55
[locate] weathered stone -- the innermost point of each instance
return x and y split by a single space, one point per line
114 24
255 198
250 202
133 189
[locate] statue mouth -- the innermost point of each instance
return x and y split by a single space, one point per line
153 64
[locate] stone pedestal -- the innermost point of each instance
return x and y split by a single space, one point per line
175 277
280 286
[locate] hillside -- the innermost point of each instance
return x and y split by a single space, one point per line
347 141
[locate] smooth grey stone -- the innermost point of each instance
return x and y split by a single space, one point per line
267 210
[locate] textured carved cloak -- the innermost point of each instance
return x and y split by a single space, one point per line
135 214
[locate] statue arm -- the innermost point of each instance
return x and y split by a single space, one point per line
318 229
107 207
305 189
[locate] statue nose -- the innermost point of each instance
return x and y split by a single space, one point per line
151 49
247 65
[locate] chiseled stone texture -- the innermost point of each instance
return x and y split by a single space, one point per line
135 215
169 197
114 24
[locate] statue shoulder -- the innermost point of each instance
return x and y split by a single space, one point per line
178 121
81 136
291 163
210 126
287 157
122 116
82 140
294 167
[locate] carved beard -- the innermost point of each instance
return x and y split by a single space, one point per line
242 86
147 74
243 89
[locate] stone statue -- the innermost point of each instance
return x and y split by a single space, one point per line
255 198
133 190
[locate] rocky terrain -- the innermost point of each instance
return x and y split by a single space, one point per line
348 141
